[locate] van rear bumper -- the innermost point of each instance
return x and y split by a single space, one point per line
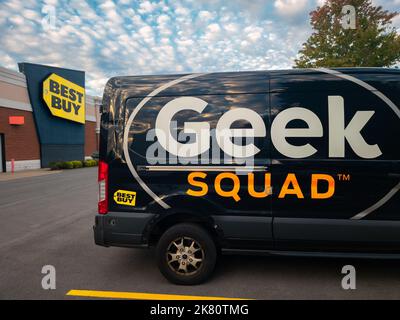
121 229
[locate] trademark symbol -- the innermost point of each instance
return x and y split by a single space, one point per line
344 177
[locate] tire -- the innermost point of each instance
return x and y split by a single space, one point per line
186 254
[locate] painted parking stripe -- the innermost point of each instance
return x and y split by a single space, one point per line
140 295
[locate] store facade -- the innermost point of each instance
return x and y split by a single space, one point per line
45 116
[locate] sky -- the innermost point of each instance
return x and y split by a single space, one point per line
124 37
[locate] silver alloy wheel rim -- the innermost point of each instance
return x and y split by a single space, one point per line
185 256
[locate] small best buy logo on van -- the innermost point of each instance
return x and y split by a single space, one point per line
124 197
64 98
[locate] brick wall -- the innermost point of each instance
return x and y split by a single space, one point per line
90 138
21 142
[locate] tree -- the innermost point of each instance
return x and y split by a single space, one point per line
373 43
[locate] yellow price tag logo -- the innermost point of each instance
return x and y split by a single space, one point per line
124 197
64 98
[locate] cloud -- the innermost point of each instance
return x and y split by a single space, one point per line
205 15
121 37
146 7
253 33
290 7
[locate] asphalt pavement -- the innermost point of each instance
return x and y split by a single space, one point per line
47 220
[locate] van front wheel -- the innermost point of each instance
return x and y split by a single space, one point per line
186 254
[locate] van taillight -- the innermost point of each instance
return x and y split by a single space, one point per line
103 187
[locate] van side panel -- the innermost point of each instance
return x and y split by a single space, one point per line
364 188
350 148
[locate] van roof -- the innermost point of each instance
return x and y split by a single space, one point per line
228 82
281 71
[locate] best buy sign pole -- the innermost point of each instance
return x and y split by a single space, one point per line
64 98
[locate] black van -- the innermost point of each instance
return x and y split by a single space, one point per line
301 162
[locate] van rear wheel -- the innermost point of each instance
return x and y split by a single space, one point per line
186 254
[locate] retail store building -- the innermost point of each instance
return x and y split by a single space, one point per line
37 119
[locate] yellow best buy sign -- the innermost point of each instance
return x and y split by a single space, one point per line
64 98
125 197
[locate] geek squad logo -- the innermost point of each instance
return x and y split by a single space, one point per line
230 141
192 149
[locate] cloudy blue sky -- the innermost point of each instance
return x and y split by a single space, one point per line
125 37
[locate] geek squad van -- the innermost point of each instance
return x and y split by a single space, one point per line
301 162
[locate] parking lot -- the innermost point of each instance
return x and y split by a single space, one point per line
47 220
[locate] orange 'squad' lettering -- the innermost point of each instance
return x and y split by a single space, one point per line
199 184
295 190
236 185
315 194
290 186
267 186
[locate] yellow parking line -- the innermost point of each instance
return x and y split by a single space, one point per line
140 295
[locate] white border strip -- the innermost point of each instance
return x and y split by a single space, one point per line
12 77
206 168
13 81
12 104
90 118
20 165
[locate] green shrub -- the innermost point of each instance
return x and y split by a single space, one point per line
77 164
90 163
68 165
63 165
57 165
